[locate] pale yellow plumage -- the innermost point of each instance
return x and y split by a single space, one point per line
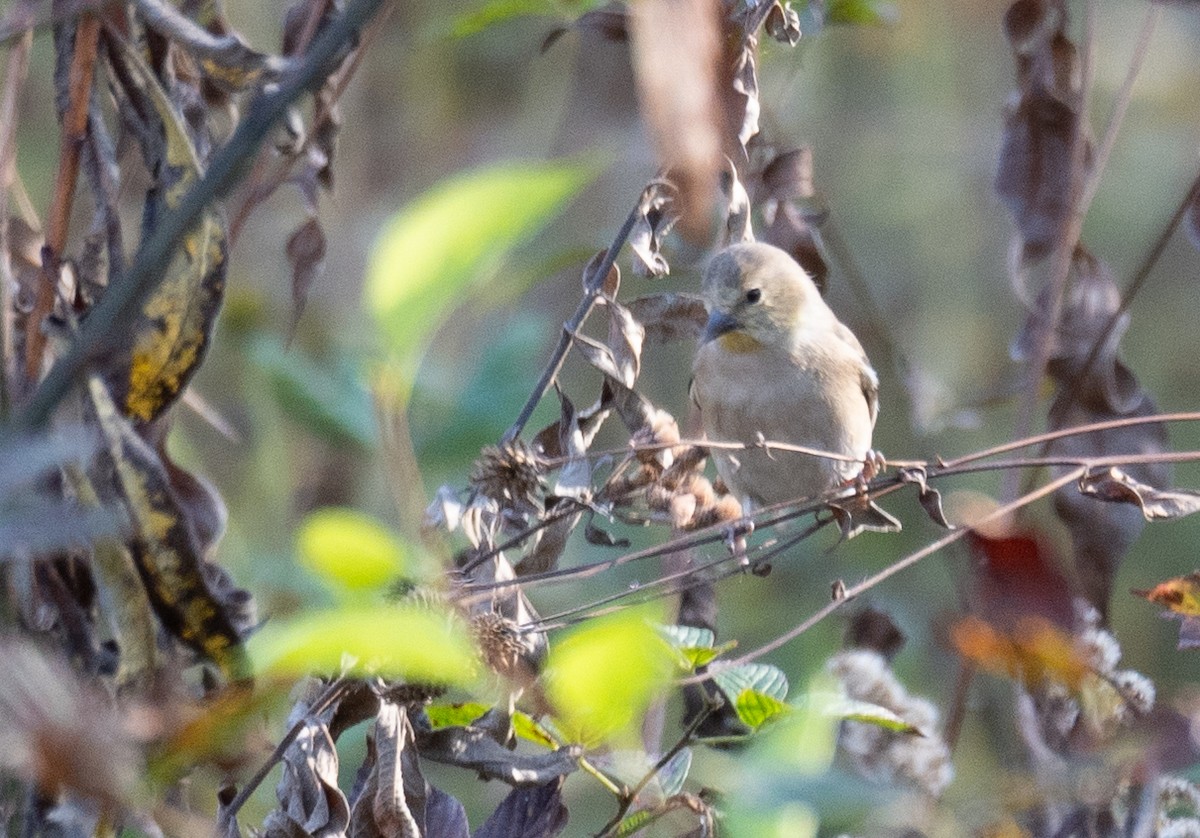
775 363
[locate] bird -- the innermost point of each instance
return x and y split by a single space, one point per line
775 364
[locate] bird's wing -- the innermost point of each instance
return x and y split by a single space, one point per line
869 379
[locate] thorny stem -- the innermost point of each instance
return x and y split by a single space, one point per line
1065 248
891 570
74 128
628 799
225 169
590 294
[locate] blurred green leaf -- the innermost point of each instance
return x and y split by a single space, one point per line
403 641
330 402
350 549
497 11
602 676
451 239
756 708
861 12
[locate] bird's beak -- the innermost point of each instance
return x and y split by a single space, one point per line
719 323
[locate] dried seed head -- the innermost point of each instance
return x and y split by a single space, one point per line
510 474
499 642
660 430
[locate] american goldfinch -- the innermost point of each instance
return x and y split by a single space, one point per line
775 364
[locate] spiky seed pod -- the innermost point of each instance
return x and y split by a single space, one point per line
499 642
511 474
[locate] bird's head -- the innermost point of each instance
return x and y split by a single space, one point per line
757 296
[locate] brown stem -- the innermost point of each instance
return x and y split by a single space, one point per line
83 63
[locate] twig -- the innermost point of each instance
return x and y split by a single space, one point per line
590 294
120 301
888 572
14 80
628 799
74 128
1078 430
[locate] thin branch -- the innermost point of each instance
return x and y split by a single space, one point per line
74 127
888 572
586 304
1078 430
627 800
120 302
332 694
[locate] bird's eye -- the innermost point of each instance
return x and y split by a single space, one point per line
753 295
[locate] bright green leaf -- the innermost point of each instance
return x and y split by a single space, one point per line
399 641
497 11
462 715
837 706
602 676
350 549
756 708
452 239
760 677
695 645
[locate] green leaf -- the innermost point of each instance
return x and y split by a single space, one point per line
350 549
760 677
465 713
399 641
695 645
602 676
497 11
452 239
330 402
861 12
756 708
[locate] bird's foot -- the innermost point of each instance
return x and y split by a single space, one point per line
874 465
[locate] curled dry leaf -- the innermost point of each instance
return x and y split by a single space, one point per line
783 23
609 285
860 514
476 749
308 793
737 207
531 812
657 213
675 47
929 497
165 548
1114 485
157 355
793 211
669 316
306 255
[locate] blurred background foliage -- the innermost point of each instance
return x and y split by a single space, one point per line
905 125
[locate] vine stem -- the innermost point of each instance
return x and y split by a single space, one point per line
121 301
591 293
888 572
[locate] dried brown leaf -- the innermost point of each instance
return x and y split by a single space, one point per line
308 793
669 316
783 23
306 255
1116 486
611 283
737 207
860 514
657 214
532 812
